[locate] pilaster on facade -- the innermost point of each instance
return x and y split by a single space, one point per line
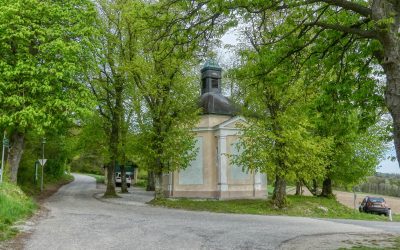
222 164
257 181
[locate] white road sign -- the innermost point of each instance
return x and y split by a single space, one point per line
42 162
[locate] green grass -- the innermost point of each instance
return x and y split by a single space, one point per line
141 183
305 206
33 189
99 178
14 206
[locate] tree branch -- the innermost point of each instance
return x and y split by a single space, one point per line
347 5
371 34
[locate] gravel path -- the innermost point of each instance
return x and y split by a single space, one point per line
76 219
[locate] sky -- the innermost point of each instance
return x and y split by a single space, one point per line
388 166
224 56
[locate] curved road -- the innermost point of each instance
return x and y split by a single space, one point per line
76 220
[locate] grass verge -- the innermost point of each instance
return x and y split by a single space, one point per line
19 203
15 205
305 206
141 183
51 185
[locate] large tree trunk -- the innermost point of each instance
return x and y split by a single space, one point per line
151 183
313 189
279 195
15 155
116 116
390 60
327 188
159 193
124 188
299 188
110 191
392 99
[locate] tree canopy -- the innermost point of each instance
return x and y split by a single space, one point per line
45 49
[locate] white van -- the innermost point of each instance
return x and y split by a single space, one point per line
118 180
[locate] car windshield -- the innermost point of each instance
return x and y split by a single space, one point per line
375 200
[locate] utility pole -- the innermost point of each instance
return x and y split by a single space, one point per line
43 162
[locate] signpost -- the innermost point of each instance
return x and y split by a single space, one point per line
36 173
6 143
42 162
354 199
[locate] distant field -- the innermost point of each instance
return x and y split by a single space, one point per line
347 199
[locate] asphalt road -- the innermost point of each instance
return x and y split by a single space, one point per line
76 220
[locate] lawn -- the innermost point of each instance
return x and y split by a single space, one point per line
305 206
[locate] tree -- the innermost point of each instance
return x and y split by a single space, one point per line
349 109
173 35
110 84
281 138
332 23
90 145
342 105
42 44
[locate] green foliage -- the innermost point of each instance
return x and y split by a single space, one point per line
312 93
57 151
165 88
281 138
14 206
44 47
89 143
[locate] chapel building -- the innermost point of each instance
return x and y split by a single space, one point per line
211 174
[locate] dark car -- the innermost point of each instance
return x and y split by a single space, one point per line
375 205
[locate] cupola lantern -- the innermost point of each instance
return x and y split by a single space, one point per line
211 77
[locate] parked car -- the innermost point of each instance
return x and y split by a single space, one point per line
375 205
118 179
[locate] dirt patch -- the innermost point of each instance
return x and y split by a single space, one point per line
49 190
347 199
335 241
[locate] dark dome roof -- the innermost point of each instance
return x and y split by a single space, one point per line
211 65
215 103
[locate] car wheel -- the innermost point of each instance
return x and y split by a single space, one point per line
129 185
